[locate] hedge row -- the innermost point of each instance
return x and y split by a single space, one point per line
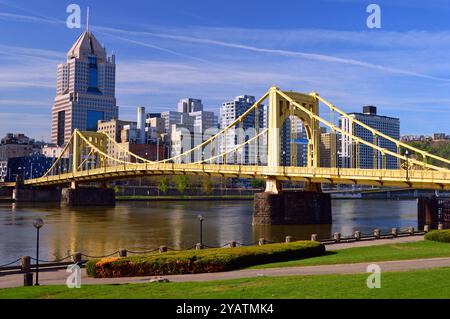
442 236
201 261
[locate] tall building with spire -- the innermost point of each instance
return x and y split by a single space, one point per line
85 91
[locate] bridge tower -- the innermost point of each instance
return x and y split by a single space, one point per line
274 206
83 159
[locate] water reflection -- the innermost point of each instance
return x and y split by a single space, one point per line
145 225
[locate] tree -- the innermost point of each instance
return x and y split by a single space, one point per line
439 148
207 185
181 183
258 183
163 185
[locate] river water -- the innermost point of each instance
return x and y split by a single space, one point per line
141 226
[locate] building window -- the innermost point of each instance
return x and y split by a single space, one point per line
93 75
92 120
61 128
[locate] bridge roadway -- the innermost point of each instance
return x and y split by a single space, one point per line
417 179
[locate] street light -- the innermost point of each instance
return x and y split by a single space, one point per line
407 164
38 223
157 149
201 219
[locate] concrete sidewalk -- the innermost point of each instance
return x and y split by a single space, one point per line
59 277
377 242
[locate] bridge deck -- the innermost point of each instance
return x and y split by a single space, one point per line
419 179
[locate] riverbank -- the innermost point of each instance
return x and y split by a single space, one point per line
185 198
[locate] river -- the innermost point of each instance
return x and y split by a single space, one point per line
141 226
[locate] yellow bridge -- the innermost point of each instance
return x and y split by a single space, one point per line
89 157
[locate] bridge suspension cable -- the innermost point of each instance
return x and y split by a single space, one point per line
375 132
59 159
220 133
353 137
238 147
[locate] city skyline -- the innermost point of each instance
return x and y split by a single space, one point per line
216 60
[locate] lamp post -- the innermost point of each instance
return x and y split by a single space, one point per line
157 149
407 164
339 159
201 219
38 223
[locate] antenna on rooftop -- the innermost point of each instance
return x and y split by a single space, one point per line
87 23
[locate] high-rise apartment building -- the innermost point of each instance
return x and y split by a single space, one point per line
85 91
229 112
113 129
363 156
189 105
172 117
329 146
188 127
202 120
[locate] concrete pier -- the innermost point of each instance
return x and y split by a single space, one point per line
24 194
292 208
433 211
35 195
88 196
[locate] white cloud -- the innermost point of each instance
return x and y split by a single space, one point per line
33 125
4 102
281 52
398 71
23 67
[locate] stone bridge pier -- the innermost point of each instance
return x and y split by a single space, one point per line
74 195
88 196
23 194
277 207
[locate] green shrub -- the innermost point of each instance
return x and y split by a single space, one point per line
181 183
442 236
163 185
201 261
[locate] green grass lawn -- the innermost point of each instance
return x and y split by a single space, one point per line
403 251
433 283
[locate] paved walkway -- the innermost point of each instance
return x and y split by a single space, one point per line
59 277
378 242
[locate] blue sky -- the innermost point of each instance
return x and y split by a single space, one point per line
215 50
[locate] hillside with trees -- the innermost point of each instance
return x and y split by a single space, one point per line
439 148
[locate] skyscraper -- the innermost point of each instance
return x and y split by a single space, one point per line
363 156
229 112
85 89
189 105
